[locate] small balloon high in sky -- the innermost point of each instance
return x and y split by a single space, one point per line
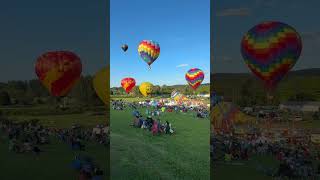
149 51
124 47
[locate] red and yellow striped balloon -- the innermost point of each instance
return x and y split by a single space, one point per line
128 84
58 71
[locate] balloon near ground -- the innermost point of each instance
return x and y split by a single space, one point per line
194 77
58 71
128 84
100 84
270 50
149 51
146 88
124 47
177 96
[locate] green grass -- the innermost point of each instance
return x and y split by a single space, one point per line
66 121
54 163
244 169
137 154
133 99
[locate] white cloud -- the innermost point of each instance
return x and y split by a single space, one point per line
234 12
182 65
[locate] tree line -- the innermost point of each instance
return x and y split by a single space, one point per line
163 90
32 92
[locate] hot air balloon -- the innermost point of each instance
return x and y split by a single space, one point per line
145 88
174 93
58 71
124 47
194 77
149 51
100 84
270 50
128 84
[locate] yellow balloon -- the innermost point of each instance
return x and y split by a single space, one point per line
145 88
100 84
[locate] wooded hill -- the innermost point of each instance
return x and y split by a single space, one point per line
246 89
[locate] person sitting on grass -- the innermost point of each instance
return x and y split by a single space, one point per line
144 124
149 123
98 174
140 121
36 150
136 121
159 126
155 128
84 175
168 128
76 163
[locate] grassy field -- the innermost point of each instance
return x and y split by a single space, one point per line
55 162
65 121
137 154
249 170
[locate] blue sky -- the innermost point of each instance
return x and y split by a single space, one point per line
233 18
181 27
30 28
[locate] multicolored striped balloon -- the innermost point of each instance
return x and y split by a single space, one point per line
58 71
149 51
174 93
128 84
194 77
270 50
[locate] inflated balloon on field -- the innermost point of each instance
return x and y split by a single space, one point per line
194 77
174 94
146 88
58 71
270 50
128 84
149 51
100 84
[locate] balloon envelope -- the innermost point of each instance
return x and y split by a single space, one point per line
194 77
149 51
270 50
128 84
100 84
58 71
124 47
145 88
174 93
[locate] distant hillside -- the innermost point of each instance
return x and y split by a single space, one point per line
305 72
306 81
